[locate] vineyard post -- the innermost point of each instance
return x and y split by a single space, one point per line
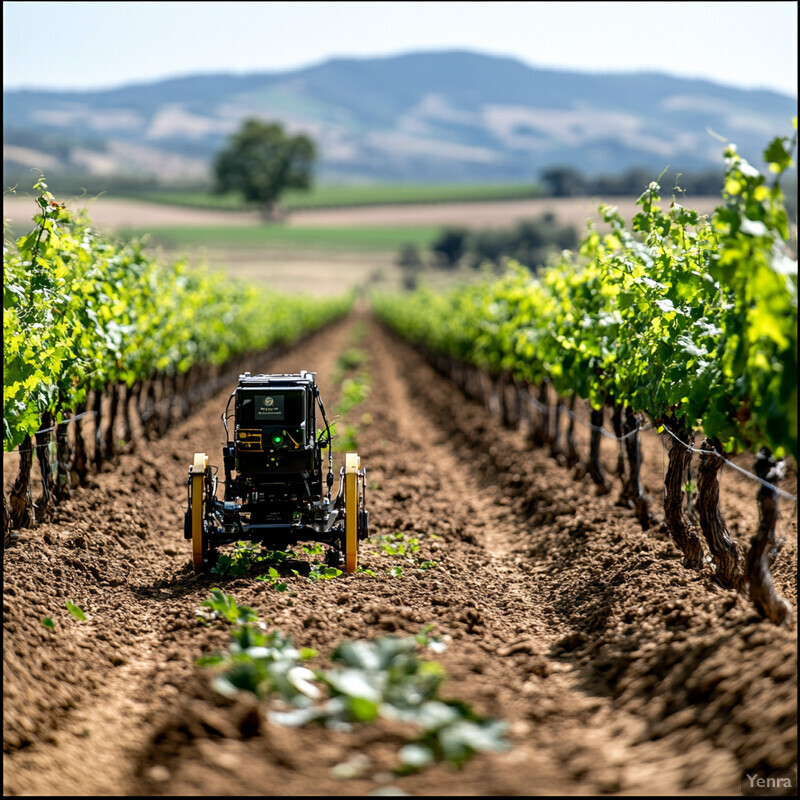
682 531
726 553
762 544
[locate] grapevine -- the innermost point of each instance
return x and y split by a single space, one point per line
688 320
87 319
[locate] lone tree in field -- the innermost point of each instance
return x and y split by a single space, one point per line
261 161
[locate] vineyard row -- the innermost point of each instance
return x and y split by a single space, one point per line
96 326
686 320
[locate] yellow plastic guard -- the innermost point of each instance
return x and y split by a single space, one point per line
351 465
198 497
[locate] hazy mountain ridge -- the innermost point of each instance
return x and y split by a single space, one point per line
423 116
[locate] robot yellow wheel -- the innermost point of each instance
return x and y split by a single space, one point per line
197 499
351 506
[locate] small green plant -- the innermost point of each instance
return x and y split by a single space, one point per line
349 361
223 606
312 549
76 611
385 677
395 572
354 392
48 622
399 546
273 579
319 572
240 560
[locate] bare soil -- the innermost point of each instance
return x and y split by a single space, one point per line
618 671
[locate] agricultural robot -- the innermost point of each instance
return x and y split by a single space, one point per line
273 467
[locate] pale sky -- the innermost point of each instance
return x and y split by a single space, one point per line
77 45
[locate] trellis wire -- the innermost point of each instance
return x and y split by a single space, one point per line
48 430
542 407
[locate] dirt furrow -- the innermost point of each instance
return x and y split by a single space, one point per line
617 671
117 551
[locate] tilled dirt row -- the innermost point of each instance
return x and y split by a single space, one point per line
617 670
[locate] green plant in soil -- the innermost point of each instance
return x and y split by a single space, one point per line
76 611
243 557
348 361
273 579
405 547
355 390
381 678
319 572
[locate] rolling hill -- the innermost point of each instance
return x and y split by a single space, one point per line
439 116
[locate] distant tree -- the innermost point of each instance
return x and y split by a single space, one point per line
410 262
490 245
261 161
563 182
450 245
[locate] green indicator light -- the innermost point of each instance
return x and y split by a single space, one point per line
277 439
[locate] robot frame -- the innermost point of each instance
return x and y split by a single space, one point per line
273 487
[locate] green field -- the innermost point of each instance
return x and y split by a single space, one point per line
334 196
278 237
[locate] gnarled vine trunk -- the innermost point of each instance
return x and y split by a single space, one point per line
679 526
593 465
6 522
172 404
150 416
79 469
624 500
762 589
540 429
110 443
99 438
572 456
43 440
726 553
641 502
23 514
126 432
556 450
63 456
